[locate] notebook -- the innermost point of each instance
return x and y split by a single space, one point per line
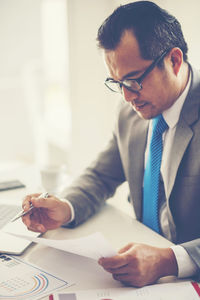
8 243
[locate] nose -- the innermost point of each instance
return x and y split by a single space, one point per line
129 95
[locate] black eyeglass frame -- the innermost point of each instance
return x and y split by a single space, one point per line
139 80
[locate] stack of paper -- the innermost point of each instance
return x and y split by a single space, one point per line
166 291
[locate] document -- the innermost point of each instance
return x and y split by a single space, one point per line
165 291
20 280
93 246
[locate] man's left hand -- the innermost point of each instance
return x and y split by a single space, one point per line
139 264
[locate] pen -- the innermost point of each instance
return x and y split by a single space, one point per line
23 213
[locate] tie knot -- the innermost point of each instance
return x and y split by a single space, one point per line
159 125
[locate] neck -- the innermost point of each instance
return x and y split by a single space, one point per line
184 76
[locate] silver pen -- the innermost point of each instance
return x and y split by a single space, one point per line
23 213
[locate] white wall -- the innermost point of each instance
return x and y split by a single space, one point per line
20 42
22 46
93 106
187 12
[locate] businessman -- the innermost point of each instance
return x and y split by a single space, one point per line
155 147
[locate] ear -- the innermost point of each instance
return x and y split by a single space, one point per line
176 58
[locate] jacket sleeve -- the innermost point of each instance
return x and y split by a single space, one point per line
97 183
193 249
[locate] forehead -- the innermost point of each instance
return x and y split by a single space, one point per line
125 58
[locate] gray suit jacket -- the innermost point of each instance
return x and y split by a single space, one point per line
123 160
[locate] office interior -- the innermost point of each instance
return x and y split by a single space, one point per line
54 107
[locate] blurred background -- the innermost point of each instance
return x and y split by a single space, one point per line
54 107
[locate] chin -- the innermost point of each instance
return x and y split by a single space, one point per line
144 116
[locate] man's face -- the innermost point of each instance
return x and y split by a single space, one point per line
158 91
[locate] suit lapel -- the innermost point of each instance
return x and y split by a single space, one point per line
184 132
182 138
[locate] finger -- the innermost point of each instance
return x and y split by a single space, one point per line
35 222
126 248
123 270
125 278
37 228
112 262
30 217
27 201
44 202
26 220
129 280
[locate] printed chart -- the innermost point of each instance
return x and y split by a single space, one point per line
20 280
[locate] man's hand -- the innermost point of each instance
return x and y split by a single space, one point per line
48 213
139 265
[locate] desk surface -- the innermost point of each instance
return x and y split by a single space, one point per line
116 226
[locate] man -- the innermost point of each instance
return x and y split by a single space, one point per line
146 56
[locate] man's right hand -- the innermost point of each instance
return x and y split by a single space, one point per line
48 213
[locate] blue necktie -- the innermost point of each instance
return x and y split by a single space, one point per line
152 174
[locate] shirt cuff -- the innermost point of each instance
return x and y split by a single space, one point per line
186 266
71 208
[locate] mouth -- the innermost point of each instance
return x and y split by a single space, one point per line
139 106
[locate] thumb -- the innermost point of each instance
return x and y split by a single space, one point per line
126 248
43 202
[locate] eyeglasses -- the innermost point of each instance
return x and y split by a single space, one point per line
133 85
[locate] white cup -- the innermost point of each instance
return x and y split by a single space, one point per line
54 178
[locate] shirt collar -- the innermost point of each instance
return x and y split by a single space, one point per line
171 115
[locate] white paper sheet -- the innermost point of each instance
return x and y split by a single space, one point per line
93 246
166 291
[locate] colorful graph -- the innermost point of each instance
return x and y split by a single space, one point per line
20 280
33 286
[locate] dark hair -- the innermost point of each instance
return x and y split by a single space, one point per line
155 29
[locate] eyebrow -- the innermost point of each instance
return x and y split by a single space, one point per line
130 74
133 73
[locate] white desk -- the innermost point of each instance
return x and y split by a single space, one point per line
116 226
